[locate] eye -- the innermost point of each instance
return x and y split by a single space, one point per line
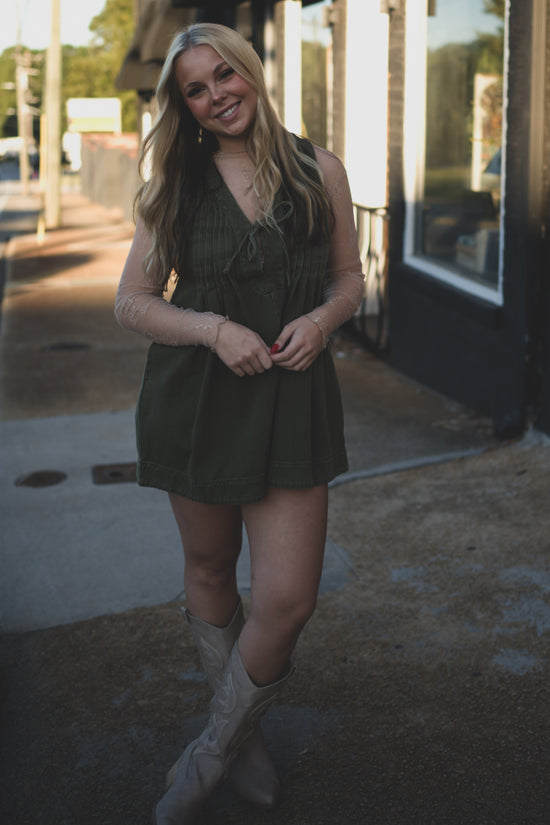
227 73
194 91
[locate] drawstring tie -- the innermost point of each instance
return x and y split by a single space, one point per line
281 212
253 249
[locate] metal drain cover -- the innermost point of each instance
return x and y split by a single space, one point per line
41 478
114 473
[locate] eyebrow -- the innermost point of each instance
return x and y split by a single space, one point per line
217 69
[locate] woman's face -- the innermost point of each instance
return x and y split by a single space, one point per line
220 100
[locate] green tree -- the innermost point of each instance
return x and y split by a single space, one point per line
496 7
85 75
112 31
8 118
314 91
114 26
449 116
8 110
87 71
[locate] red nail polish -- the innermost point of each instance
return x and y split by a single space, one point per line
275 348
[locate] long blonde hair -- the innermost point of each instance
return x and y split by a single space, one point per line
178 153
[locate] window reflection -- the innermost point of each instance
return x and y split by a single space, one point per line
316 57
459 215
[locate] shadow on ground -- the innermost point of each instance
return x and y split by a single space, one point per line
421 692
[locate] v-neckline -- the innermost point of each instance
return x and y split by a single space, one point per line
232 198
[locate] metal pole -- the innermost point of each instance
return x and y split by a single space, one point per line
53 119
21 90
21 86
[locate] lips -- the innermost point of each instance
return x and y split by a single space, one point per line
229 112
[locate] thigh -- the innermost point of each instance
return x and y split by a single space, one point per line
209 532
287 535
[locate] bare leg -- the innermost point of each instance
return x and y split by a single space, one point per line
211 535
287 533
287 537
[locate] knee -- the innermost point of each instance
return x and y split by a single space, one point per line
210 572
289 612
302 609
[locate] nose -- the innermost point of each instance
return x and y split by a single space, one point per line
217 94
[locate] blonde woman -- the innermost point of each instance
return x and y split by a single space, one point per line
239 417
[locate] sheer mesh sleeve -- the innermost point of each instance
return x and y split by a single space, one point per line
345 286
142 308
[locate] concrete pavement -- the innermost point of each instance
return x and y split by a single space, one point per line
421 689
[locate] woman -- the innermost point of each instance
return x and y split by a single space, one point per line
239 417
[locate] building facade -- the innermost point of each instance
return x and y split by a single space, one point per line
438 109
468 193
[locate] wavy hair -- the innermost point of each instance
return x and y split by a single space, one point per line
177 153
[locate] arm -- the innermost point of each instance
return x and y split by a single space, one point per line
305 337
345 286
141 307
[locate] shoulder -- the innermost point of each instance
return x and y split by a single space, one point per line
333 170
331 166
328 161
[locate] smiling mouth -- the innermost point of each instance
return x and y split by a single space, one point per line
228 112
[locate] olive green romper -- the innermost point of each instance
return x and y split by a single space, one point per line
204 432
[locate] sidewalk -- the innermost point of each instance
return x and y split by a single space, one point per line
69 378
421 689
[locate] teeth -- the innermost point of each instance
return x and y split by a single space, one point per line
228 112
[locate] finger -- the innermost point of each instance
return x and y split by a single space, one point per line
264 361
301 366
242 370
300 362
290 364
291 356
259 362
282 341
290 351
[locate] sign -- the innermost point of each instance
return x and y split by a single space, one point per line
94 114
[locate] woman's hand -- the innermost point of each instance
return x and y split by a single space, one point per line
242 350
298 345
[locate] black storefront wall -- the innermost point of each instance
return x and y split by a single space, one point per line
494 359
543 420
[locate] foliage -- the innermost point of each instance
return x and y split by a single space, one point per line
91 71
7 94
114 26
451 72
87 74
314 94
8 107
496 7
87 71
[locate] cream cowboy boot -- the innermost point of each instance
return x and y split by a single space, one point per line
252 771
235 710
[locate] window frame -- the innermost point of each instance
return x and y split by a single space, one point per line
414 143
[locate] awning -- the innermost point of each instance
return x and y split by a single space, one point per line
158 24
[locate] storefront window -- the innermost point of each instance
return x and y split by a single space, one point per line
459 177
